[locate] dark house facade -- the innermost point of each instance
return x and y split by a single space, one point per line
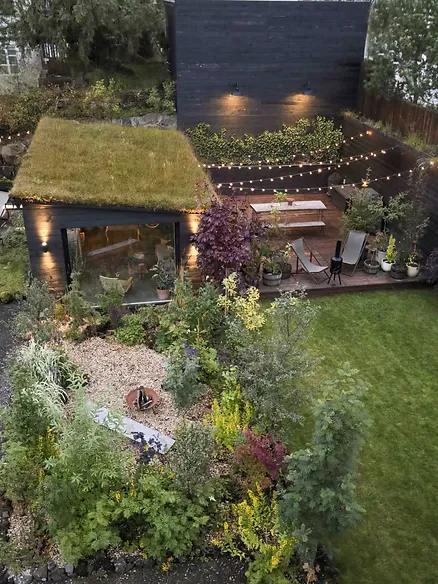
253 65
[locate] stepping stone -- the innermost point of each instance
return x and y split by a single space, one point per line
130 427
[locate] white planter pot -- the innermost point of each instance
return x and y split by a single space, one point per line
381 255
163 294
413 271
385 265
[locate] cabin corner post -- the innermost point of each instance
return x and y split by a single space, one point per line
45 246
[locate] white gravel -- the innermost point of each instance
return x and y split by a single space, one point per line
114 370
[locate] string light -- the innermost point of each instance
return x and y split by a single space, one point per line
363 183
319 170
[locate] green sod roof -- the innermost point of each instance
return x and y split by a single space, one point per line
105 164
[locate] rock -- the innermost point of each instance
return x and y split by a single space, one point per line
24 578
69 569
144 563
11 153
57 574
40 573
120 566
101 573
4 575
151 120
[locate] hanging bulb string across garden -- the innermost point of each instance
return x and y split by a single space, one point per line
322 189
333 166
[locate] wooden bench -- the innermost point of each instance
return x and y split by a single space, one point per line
302 225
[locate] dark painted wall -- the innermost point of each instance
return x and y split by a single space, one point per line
400 159
271 49
44 223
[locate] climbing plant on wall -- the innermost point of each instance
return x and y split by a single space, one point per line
307 140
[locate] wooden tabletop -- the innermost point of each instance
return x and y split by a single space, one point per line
296 206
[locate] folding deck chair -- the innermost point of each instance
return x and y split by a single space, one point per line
309 267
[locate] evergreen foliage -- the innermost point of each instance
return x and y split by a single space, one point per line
404 49
320 497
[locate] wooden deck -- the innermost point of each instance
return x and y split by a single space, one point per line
323 246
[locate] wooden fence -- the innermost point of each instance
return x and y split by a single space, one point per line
401 115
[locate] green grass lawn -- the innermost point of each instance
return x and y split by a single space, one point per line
392 338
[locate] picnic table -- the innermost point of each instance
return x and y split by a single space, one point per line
294 207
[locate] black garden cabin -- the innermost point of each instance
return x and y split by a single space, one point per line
110 198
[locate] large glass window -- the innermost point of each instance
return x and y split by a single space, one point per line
121 257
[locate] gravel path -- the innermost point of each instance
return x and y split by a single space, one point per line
7 343
115 369
225 570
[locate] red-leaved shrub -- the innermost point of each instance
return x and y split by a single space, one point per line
268 452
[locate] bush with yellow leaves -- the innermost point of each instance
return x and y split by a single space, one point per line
253 534
230 415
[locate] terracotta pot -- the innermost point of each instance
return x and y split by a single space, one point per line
163 294
131 398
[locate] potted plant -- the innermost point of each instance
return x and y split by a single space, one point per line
389 258
371 266
413 264
164 277
271 273
285 265
381 245
398 268
251 270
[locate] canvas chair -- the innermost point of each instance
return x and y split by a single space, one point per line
309 267
353 249
110 284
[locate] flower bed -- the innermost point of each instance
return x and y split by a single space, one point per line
228 377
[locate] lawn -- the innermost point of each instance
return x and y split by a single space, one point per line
392 338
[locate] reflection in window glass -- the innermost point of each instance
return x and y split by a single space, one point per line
121 257
9 59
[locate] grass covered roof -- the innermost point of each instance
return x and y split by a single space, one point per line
106 164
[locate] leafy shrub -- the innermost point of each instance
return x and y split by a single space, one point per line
111 306
320 498
36 312
364 213
191 457
156 517
183 380
253 534
309 140
131 331
230 416
268 452
81 312
102 100
270 366
161 99
25 108
224 238
80 482
190 316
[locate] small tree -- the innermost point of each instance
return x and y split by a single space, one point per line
224 238
271 366
404 49
320 496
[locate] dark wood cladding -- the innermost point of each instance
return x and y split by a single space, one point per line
403 116
225 176
271 49
45 222
399 158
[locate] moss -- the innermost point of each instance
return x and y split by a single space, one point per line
108 164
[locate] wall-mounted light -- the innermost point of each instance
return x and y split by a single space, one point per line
236 90
45 246
307 90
